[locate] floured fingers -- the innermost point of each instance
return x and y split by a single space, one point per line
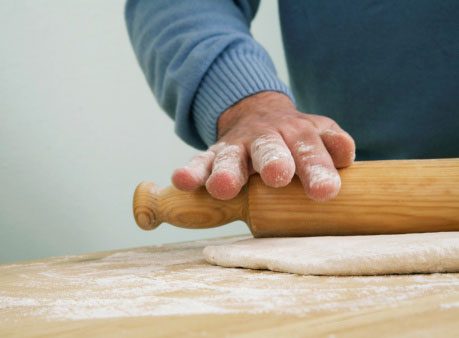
314 165
272 159
229 172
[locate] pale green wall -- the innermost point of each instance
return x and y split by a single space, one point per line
79 128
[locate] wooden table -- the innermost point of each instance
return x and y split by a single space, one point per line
170 291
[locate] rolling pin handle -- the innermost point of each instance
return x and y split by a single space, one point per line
145 206
186 209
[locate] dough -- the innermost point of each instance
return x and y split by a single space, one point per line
343 255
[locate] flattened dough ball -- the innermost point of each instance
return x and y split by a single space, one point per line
343 255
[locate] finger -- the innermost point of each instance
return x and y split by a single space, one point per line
195 173
316 169
340 145
229 172
314 165
272 159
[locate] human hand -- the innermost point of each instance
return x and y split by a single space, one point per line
265 133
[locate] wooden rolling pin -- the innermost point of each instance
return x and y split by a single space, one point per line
376 197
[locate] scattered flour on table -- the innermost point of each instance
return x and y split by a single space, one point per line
175 280
450 306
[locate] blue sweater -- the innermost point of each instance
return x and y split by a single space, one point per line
386 71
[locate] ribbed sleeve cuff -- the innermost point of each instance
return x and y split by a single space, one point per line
232 76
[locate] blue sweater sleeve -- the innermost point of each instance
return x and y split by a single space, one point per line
199 58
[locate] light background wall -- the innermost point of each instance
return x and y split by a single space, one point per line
79 129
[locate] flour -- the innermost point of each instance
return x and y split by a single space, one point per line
449 306
175 280
305 152
320 175
229 159
267 149
200 166
10 302
303 149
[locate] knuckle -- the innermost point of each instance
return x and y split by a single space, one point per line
305 151
229 153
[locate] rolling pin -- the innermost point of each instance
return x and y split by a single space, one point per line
376 197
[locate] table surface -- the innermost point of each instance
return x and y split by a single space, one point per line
169 291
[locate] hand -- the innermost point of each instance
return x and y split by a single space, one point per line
264 133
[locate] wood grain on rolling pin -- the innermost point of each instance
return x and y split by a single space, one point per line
376 197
